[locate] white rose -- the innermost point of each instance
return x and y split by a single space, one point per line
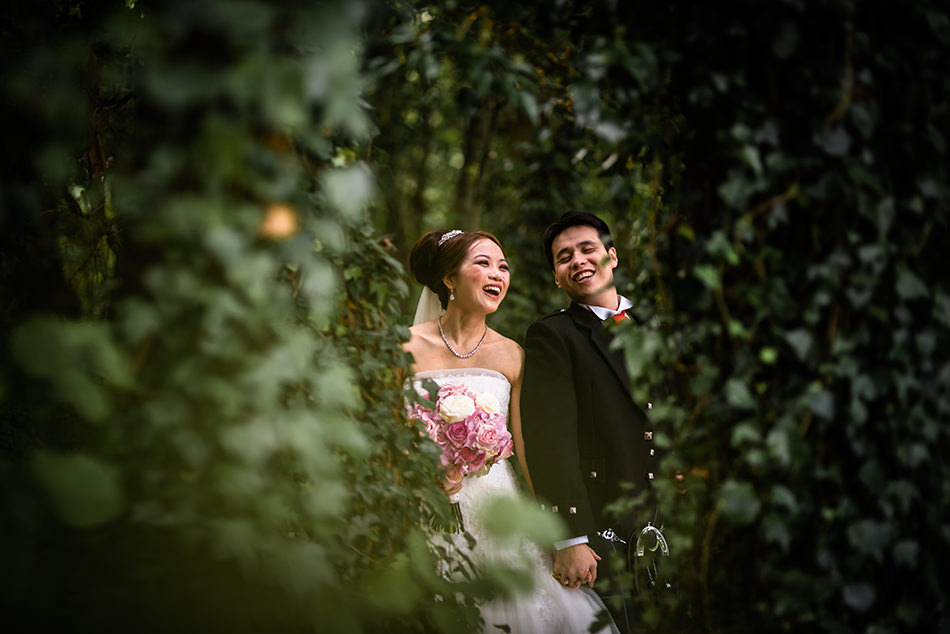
456 407
488 403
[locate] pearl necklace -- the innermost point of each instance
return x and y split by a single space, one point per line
452 350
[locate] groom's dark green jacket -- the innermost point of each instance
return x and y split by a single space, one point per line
583 433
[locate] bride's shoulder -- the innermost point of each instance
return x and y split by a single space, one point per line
425 328
510 355
504 343
425 345
421 335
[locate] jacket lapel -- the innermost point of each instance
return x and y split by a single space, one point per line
588 322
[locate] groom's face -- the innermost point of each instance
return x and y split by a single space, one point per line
583 267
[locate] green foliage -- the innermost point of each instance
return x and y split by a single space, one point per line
83 491
475 107
801 352
204 412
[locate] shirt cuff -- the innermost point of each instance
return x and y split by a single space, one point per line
567 543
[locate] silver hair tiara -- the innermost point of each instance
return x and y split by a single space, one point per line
448 235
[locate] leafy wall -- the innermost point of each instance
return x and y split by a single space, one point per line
201 380
204 219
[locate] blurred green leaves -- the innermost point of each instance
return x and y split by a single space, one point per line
80 360
239 350
511 520
349 189
738 502
84 491
800 286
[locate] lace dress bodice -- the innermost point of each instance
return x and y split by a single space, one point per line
500 479
477 379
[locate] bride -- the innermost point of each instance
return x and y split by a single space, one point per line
466 275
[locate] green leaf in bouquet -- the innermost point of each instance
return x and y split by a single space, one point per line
431 389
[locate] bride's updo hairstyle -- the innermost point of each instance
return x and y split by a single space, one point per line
431 262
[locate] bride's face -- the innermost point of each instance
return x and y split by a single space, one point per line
482 279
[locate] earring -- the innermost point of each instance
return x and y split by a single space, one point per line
451 294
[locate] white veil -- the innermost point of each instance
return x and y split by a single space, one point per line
428 307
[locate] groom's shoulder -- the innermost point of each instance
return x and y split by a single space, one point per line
553 319
560 312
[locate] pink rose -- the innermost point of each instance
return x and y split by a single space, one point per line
452 388
447 457
467 454
453 479
487 437
457 433
507 448
428 418
497 421
449 390
478 461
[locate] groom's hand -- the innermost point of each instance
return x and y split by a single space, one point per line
576 565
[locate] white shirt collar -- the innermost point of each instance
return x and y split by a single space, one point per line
605 313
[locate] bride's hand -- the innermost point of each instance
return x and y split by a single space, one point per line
576 565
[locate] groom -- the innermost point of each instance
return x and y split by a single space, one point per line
583 433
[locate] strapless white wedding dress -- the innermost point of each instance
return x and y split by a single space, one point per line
549 608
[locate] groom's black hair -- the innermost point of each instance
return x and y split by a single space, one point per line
573 219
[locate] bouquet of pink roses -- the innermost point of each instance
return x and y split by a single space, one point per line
470 429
